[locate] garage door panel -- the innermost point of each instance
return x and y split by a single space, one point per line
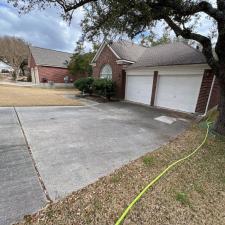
179 92
139 89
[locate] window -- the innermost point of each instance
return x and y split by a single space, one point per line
106 72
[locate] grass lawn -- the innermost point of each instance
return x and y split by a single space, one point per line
193 193
32 96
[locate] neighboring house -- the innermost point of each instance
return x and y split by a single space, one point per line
49 65
174 76
5 68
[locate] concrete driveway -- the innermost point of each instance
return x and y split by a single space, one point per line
20 190
74 146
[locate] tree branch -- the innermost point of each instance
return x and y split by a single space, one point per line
67 7
188 9
204 41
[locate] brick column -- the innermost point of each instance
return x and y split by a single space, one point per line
204 91
154 85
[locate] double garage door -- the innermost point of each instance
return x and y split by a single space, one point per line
178 92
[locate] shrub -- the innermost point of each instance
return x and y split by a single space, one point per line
105 87
85 84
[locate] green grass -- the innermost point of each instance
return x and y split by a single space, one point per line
213 115
182 197
116 178
148 160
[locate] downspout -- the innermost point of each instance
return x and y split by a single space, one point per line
210 94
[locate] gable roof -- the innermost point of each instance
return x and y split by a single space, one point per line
48 57
128 50
123 50
177 53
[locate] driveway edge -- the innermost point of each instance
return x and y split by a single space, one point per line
32 158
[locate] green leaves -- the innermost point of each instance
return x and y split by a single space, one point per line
102 87
80 64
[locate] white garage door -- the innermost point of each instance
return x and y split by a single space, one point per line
179 92
139 89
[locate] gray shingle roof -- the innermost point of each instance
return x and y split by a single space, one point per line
128 50
48 57
169 54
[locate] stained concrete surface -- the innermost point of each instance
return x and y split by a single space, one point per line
74 146
20 190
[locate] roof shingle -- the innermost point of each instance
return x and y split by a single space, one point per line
177 53
128 50
48 57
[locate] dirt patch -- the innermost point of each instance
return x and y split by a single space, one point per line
32 96
192 193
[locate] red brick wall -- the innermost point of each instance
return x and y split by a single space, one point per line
118 74
205 91
215 96
53 74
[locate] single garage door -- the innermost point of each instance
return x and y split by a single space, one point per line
179 92
139 89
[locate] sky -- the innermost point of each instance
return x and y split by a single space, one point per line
48 30
41 28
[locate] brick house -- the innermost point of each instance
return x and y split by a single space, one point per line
49 65
173 76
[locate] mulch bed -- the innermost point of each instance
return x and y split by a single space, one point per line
96 98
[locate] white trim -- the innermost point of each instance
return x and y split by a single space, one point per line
210 94
100 50
36 74
166 69
113 51
121 61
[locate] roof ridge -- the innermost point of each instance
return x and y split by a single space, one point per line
130 42
50 49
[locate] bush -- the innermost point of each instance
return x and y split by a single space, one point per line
105 87
85 84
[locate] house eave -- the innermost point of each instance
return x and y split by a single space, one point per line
103 45
124 61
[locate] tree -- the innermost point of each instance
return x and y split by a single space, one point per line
14 51
107 17
152 40
80 61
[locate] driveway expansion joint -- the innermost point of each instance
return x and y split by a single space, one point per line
32 158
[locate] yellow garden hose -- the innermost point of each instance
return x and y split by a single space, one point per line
122 217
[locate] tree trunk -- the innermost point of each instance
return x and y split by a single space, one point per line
220 123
